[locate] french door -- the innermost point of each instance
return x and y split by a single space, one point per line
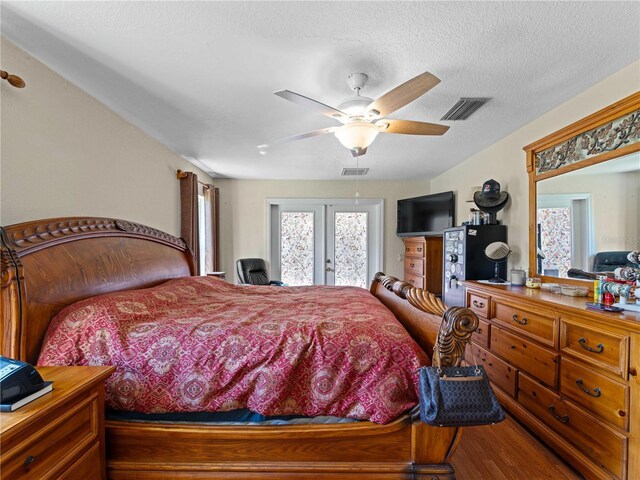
325 242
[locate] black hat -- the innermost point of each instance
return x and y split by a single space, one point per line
490 199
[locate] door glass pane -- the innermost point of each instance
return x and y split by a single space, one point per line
296 248
351 248
555 240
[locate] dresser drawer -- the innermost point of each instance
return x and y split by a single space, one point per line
414 248
414 280
526 355
541 325
481 335
606 350
478 303
52 442
602 395
500 373
414 266
595 439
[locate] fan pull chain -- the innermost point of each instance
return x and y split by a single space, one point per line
357 176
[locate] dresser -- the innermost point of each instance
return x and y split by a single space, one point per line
61 434
423 262
568 373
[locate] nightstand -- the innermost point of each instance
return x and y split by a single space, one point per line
61 434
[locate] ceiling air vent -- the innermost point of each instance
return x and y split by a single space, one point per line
354 171
464 108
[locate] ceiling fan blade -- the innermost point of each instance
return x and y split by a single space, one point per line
409 127
301 136
404 94
358 153
312 104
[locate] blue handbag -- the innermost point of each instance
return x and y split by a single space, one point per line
457 396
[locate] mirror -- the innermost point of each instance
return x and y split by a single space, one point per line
584 189
586 217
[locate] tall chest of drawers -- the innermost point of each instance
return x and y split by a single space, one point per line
568 373
423 262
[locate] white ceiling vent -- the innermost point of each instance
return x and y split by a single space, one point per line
354 171
464 108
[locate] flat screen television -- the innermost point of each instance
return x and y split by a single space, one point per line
426 215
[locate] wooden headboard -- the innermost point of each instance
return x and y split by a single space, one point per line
49 264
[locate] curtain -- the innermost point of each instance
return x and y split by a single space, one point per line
212 228
200 230
189 225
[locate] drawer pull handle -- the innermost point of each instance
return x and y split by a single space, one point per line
29 460
564 418
583 343
419 249
411 281
594 393
478 330
412 265
524 320
478 304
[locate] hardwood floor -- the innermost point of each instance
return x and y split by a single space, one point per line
507 451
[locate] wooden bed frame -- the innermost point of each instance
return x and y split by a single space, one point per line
51 263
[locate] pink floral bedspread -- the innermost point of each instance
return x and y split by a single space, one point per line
201 344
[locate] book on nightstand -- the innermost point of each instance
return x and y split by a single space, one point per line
10 407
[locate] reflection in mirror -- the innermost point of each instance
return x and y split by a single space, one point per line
587 218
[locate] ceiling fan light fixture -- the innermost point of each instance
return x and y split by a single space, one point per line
357 135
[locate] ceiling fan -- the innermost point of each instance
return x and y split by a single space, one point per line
363 117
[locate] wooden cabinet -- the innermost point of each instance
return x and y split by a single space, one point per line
423 262
61 434
568 373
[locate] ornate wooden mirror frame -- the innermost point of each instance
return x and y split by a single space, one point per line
609 133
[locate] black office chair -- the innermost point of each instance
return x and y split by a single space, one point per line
253 271
609 261
603 262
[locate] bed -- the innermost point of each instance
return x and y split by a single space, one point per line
50 264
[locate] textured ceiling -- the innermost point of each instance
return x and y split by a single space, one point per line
199 76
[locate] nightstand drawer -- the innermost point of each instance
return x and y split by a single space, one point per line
51 442
479 304
606 350
85 467
414 266
597 440
540 325
526 355
604 396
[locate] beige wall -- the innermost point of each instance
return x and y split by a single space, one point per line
505 160
244 212
64 153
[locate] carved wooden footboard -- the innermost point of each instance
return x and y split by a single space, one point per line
49 264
